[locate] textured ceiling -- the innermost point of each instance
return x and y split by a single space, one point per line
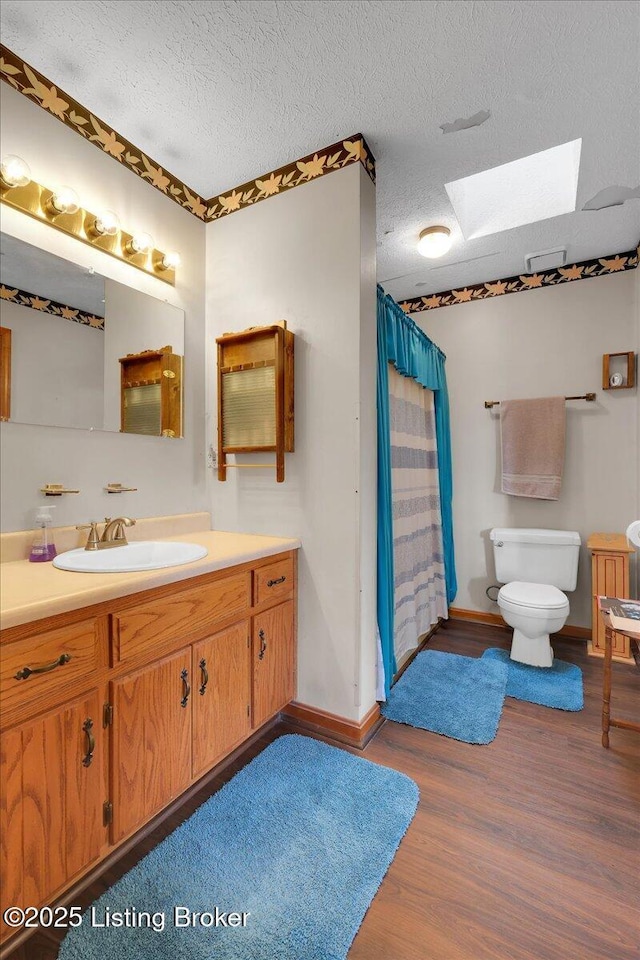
221 92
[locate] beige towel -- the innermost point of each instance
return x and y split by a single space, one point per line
533 434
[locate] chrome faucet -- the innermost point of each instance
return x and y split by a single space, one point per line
113 534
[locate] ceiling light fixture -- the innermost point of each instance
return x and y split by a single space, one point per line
434 241
14 171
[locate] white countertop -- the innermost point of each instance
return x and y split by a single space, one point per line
31 591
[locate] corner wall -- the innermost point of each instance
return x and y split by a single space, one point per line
308 256
540 343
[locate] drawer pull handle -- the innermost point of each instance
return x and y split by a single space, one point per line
186 689
87 727
26 672
205 677
263 645
272 583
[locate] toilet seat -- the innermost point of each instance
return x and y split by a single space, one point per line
533 599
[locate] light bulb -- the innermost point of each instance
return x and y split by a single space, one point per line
434 242
15 172
106 224
65 200
140 243
170 261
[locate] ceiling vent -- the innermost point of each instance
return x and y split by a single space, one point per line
545 260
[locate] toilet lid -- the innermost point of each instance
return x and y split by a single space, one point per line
533 595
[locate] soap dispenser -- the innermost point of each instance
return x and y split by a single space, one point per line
43 548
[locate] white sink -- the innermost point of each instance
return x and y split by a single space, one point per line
143 555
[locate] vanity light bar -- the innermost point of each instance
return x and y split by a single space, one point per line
60 208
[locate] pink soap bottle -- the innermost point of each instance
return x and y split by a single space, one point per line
43 548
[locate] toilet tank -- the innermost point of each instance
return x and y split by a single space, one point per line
536 556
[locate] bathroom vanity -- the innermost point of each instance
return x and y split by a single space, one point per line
113 709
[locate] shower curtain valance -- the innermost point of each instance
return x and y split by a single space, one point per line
403 343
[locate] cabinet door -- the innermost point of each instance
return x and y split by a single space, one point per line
221 695
52 792
273 661
151 760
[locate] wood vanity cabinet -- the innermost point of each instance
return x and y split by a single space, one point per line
52 788
151 744
221 695
273 661
130 703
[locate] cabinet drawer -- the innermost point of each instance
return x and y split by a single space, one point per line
43 666
273 581
184 615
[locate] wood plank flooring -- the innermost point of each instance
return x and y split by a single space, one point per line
525 849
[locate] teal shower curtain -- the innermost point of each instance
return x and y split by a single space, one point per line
403 343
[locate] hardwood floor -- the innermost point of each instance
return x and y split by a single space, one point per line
525 849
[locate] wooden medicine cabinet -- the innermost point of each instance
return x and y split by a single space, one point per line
255 396
151 393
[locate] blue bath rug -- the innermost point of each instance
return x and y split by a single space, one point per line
300 839
459 697
558 686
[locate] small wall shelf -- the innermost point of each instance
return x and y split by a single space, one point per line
621 373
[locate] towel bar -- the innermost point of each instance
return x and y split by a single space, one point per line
585 396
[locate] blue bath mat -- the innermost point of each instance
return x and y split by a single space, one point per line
300 839
460 697
558 686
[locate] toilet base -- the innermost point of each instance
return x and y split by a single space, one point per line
537 652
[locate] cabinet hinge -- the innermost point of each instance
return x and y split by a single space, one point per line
107 715
107 813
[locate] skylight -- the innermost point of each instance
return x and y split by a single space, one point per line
533 188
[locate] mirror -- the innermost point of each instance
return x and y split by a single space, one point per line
80 350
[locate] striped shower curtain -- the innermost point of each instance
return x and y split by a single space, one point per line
420 595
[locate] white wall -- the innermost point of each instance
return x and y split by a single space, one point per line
56 368
540 343
134 322
170 475
302 256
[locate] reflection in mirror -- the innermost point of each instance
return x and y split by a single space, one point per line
80 350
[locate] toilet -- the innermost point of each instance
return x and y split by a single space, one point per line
535 567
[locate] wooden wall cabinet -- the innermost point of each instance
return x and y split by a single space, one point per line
255 395
157 689
151 393
610 555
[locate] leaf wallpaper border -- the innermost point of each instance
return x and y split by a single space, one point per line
36 87
22 298
583 270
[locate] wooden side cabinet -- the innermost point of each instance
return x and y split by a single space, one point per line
610 555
